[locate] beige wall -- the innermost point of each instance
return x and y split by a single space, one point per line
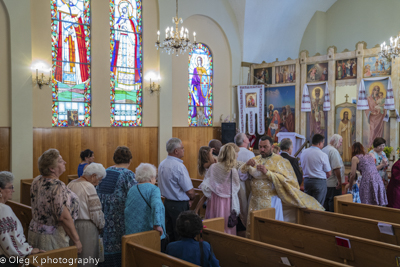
5 73
211 35
100 41
348 22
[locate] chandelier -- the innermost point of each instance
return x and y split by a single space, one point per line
175 41
393 50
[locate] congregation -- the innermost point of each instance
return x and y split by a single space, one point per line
116 201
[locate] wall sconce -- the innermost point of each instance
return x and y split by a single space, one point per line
41 80
153 86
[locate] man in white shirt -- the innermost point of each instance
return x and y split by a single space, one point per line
316 169
244 155
334 182
175 185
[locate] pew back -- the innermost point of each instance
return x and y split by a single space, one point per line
72 177
143 249
323 243
344 204
23 213
70 254
25 196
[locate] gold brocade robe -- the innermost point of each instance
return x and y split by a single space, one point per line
280 180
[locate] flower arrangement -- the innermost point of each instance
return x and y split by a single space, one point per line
388 150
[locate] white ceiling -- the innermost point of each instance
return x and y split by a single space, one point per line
273 29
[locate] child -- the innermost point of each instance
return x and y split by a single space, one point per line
380 101
189 225
355 191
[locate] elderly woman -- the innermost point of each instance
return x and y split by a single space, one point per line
381 161
113 191
221 186
54 206
91 218
12 240
87 157
144 210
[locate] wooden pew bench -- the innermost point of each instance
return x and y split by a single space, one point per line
322 243
196 182
233 250
143 249
23 213
72 177
25 196
344 205
68 255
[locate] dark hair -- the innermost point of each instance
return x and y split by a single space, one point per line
203 158
122 155
285 144
317 138
357 149
266 137
86 154
189 224
378 141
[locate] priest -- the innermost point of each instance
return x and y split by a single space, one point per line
273 183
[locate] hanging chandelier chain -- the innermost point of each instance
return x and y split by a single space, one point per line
176 8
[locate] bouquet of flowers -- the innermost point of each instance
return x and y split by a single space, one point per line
388 150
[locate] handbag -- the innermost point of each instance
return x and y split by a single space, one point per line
233 218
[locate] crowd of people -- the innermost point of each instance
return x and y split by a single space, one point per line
94 211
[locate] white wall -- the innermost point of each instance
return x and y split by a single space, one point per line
5 72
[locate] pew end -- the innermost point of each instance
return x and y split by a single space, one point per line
268 213
41 259
25 195
199 206
217 224
342 198
143 249
195 201
23 213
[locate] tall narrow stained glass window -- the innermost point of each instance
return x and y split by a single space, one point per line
200 98
71 89
126 62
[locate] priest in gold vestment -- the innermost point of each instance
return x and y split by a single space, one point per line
274 183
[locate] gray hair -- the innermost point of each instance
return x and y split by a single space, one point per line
334 141
144 172
173 144
239 138
95 168
6 178
286 143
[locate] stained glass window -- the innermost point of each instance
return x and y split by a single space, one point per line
71 89
200 97
126 62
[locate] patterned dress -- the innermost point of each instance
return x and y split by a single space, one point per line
372 190
113 191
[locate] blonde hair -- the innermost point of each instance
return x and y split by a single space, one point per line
227 155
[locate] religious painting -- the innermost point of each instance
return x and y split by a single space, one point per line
251 100
200 86
126 61
71 86
263 76
373 124
346 69
279 110
317 119
317 72
377 66
285 74
72 118
345 125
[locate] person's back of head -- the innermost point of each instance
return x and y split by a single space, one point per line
357 149
285 144
203 158
335 141
216 144
227 155
189 224
239 139
317 139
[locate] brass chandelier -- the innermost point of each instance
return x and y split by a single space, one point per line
393 50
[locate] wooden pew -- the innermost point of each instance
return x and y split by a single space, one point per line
143 249
323 243
72 177
351 225
23 213
41 259
25 194
344 204
196 182
233 250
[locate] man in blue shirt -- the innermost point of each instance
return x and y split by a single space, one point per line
175 185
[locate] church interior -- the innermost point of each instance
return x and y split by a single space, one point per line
98 74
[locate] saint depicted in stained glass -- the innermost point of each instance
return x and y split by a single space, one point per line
200 86
126 61
71 61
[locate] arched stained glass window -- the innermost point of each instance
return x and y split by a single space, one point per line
71 89
126 62
200 98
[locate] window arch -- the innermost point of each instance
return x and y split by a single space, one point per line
126 62
71 87
200 97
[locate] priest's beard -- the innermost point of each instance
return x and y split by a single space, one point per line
266 154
